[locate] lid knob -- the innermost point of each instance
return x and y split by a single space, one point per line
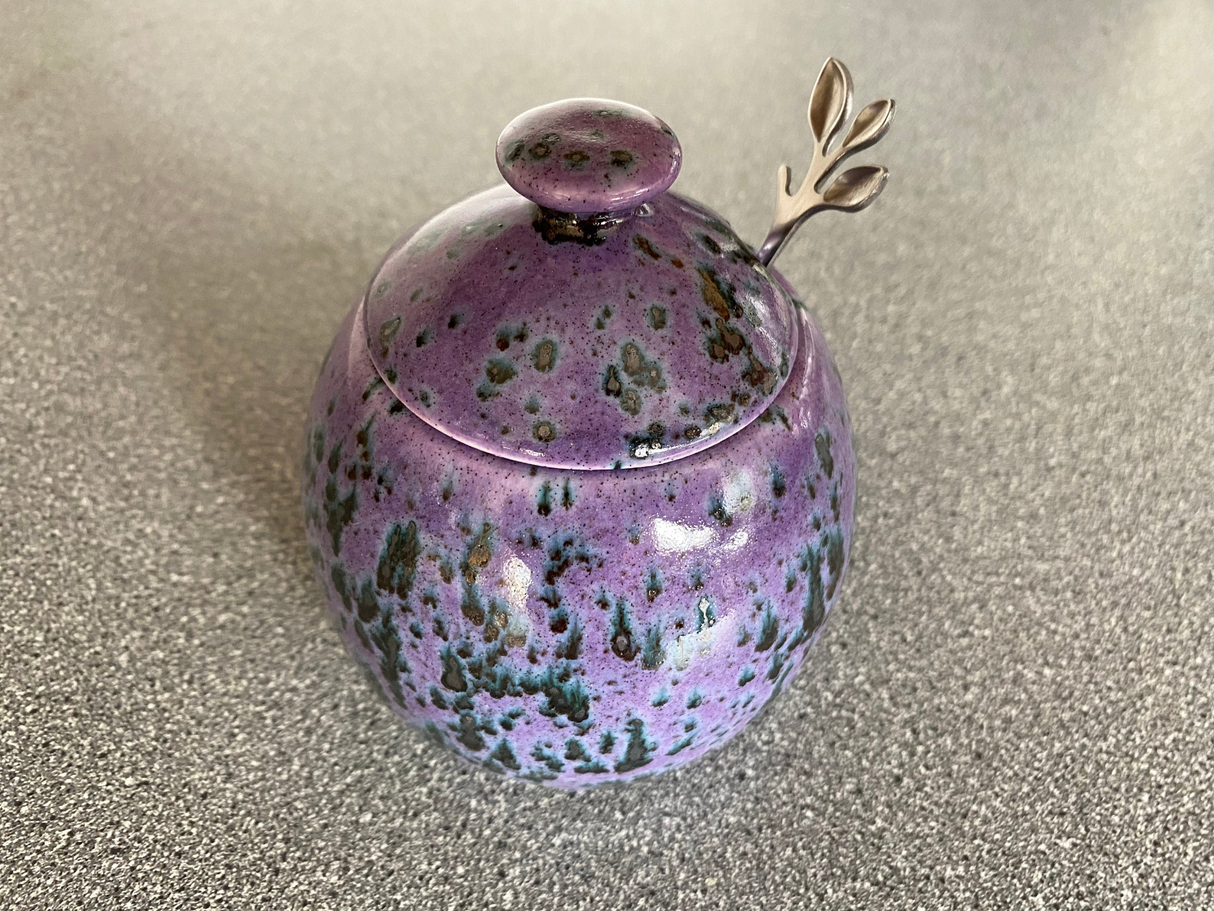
588 155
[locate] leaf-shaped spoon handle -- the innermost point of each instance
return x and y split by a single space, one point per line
854 189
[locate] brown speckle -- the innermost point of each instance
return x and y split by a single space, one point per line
733 341
758 375
611 384
632 359
646 246
630 401
387 332
543 357
514 151
712 294
499 371
544 431
642 371
478 554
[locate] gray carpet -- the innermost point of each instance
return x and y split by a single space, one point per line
1012 707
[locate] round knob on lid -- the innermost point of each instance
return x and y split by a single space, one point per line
588 155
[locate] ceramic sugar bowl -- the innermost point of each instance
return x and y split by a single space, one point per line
579 480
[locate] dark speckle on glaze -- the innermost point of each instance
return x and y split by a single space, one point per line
543 357
630 401
621 158
500 370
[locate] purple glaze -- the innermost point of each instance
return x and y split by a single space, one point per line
576 627
588 155
526 606
659 339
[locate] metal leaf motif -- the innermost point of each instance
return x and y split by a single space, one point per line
870 125
856 188
831 100
829 107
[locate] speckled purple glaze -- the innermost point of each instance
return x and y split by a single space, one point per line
660 338
574 623
588 155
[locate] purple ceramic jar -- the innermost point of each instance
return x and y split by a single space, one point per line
579 481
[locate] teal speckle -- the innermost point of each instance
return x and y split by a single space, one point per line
652 653
623 638
777 482
398 561
639 750
574 750
503 754
822 449
339 511
550 760
769 630
681 745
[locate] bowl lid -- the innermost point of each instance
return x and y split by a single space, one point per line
597 343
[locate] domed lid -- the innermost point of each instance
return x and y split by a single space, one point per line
589 343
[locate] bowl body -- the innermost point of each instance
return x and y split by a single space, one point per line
577 626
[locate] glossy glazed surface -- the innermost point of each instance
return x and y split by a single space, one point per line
658 336
588 155
576 627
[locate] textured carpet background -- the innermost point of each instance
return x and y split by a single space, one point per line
1011 709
